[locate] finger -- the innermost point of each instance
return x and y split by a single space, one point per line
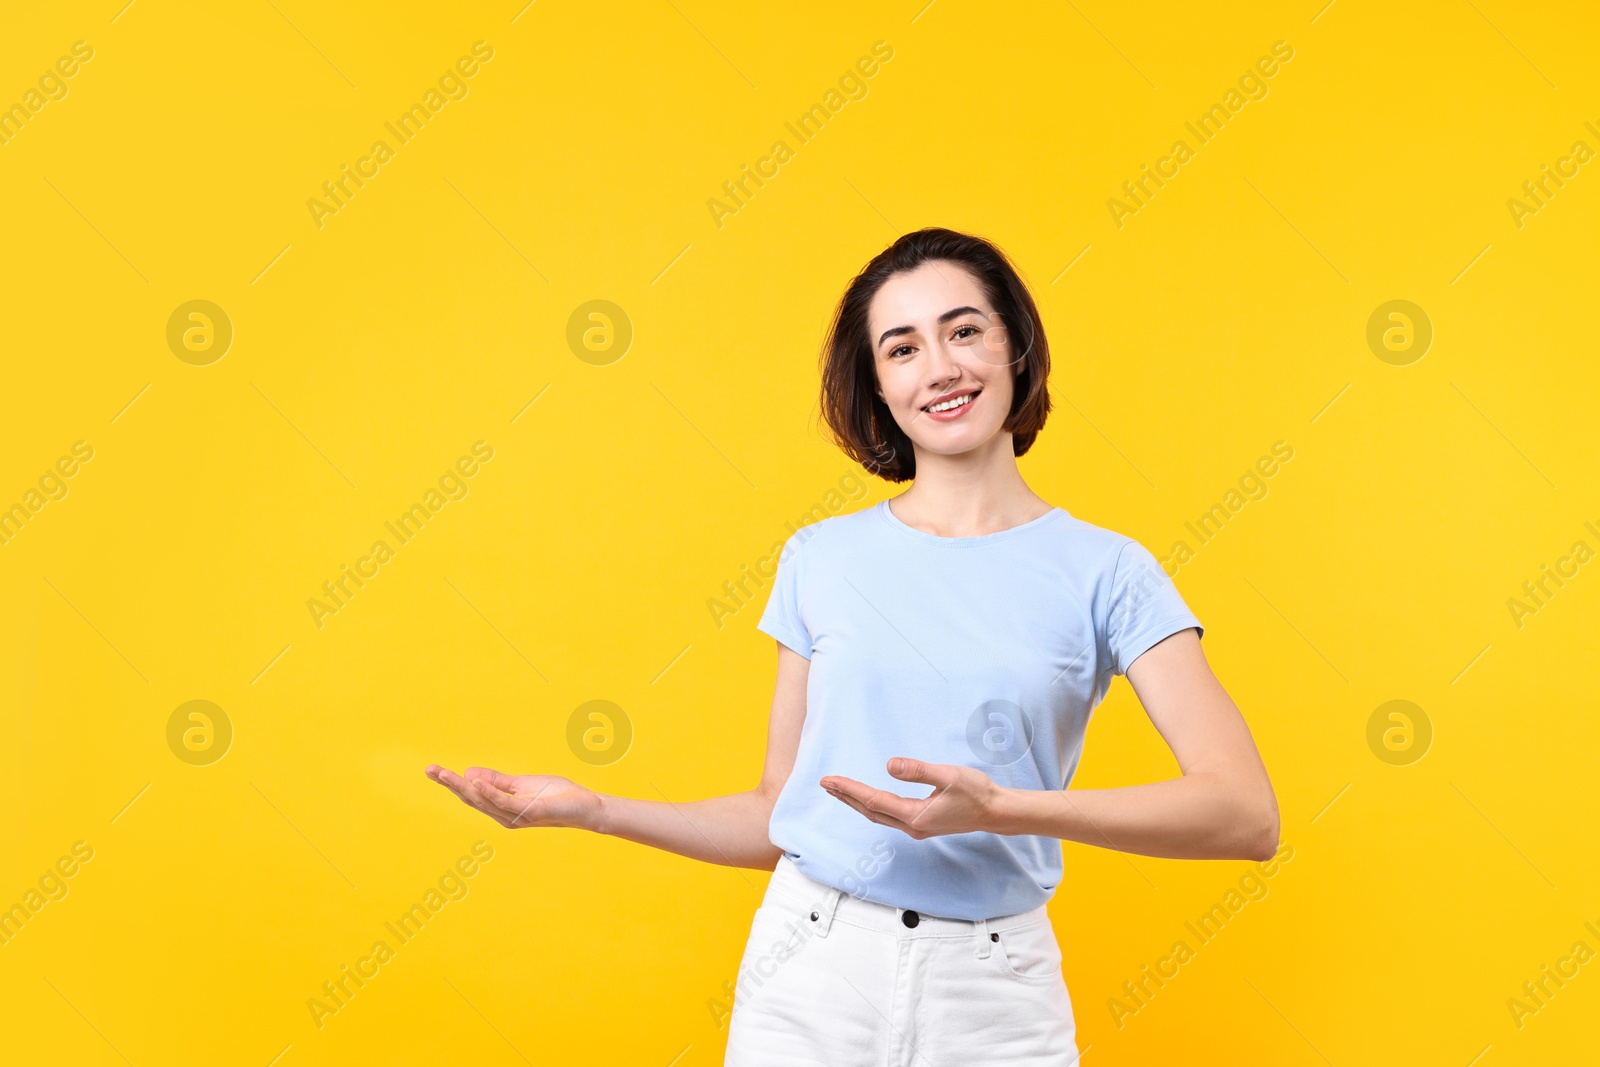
526 809
874 813
869 801
450 780
851 802
494 788
469 794
499 779
907 770
470 797
901 808
480 784
879 817
915 770
484 791
442 774
839 783
486 799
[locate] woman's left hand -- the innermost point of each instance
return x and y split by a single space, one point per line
963 799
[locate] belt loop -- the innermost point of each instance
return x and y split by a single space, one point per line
981 928
825 911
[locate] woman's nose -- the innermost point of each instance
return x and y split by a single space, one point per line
942 366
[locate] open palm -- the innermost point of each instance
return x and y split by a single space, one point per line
962 800
518 800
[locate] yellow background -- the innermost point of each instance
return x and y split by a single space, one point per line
1226 315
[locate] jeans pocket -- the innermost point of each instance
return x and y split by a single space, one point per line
1030 952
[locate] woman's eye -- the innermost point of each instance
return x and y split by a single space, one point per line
898 349
970 330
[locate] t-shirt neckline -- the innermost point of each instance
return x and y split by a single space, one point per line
979 539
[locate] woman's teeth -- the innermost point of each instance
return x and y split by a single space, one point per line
957 402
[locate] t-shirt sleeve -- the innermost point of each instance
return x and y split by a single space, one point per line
1144 607
782 618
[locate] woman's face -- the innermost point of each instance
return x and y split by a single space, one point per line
936 338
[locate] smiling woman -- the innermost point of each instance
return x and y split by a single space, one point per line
974 320
956 638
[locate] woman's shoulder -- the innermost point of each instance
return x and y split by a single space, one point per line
815 533
1083 534
1103 559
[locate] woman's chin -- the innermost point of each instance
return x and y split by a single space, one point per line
955 440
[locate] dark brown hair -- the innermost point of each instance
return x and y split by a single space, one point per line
860 422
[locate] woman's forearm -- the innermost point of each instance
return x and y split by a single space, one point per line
1197 816
730 830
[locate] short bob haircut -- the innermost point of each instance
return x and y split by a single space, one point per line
860 422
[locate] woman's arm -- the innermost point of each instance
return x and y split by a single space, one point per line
729 830
1223 807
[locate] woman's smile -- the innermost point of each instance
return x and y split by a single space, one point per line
953 405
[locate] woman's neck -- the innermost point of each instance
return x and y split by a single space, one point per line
968 495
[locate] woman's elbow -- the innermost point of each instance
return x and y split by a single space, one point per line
1266 845
1265 826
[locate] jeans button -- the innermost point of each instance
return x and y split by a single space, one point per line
910 918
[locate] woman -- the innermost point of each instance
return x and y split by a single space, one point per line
939 657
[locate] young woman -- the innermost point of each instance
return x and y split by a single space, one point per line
939 656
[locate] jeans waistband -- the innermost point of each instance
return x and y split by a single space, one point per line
798 892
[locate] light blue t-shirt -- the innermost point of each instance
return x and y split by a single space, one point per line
988 652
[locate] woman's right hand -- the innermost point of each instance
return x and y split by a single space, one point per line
515 801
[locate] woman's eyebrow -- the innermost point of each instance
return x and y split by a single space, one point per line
946 317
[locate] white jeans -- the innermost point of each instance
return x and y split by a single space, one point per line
830 980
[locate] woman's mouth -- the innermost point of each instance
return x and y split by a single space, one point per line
953 408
